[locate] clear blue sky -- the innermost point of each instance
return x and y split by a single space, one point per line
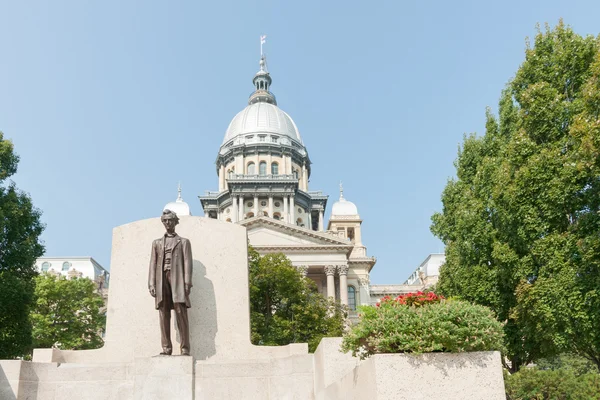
111 103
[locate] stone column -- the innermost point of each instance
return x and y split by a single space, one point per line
241 208
285 209
330 272
364 290
271 206
309 219
283 170
255 206
234 205
292 211
343 271
321 224
304 178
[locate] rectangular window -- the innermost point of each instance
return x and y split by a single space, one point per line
274 139
261 138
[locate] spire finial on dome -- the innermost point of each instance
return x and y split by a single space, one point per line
179 191
341 191
262 80
263 39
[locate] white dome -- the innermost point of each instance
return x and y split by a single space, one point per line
343 207
262 117
179 207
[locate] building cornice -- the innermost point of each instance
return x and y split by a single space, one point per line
293 228
302 248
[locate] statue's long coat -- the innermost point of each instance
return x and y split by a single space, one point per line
181 269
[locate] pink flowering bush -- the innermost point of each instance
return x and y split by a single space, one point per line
423 322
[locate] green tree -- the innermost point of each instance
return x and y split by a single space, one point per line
521 221
285 307
67 313
20 229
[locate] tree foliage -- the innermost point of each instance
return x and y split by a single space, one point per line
521 221
285 307
533 383
67 313
20 229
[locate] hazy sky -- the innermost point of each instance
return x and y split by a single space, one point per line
111 103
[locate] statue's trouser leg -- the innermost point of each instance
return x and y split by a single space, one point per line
164 312
183 325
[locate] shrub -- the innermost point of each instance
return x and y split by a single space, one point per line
429 324
532 383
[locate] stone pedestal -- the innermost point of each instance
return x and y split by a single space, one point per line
164 377
448 376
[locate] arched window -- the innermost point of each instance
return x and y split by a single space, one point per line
45 266
274 168
351 298
295 173
299 221
276 216
250 215
262 168
251 169
228 220
66 266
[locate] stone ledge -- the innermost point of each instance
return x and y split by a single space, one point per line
448 376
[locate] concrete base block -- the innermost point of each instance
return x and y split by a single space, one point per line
164 377
431 376
264 379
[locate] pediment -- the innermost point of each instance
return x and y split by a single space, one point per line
264 231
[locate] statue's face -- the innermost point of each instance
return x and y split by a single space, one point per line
169 224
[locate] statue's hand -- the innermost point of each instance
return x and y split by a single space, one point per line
188 289
152 291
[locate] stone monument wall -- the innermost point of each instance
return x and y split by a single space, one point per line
219 316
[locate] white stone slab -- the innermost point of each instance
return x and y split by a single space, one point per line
431 376
164 377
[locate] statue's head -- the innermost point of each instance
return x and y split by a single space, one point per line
169 220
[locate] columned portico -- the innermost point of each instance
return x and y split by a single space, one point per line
330 272
343 271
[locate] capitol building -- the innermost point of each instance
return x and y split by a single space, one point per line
263 170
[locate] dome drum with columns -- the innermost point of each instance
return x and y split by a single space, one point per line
263 169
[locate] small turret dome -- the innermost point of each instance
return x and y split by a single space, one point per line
343 207
179 207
